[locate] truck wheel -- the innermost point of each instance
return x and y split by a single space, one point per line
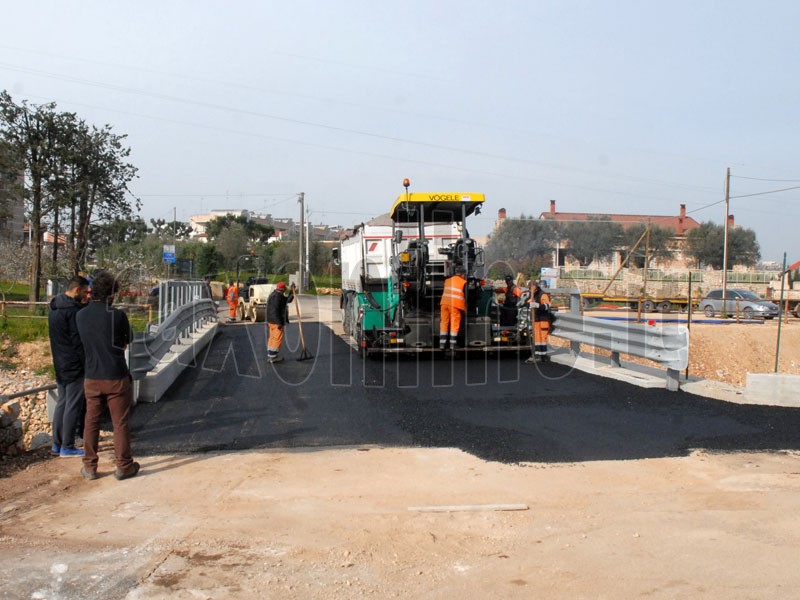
261 314
648 306
664 307
709 311
353 323
240 312
359 337
345 306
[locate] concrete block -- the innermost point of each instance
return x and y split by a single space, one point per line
157 382
645 377
773 389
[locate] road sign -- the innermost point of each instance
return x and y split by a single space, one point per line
169 253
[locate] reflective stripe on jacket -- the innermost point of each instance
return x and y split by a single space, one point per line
543 299
453 294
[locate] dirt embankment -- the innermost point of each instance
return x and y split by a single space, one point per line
728 352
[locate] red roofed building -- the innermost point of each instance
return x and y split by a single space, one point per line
680 224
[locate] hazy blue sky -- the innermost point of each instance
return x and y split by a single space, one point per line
623 106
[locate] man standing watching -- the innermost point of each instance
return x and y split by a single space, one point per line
276 319
67 351
105 333
452 306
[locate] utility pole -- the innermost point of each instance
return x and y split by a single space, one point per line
725 244
301 261
784 276
308 251
174 235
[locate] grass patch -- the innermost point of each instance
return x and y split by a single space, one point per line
20 326
16 292
49 370
138 322
16 327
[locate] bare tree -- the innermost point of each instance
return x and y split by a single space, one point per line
72 171
15 266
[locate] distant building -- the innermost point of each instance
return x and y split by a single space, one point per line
285 228
199 223
680 224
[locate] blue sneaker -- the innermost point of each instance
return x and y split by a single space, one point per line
55 450
68 452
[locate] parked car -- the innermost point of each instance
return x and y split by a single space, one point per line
748 304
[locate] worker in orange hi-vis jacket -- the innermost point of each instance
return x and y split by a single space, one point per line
508 309
233 300
540 314
452 306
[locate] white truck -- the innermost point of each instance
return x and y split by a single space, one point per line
393 277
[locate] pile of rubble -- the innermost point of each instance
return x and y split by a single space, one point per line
24 424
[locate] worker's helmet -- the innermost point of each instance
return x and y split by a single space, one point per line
281 286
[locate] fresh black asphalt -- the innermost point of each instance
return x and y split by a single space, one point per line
497 408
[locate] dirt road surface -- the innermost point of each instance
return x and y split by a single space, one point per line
404 522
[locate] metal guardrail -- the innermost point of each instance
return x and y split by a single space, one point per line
172 295
667 345
148 349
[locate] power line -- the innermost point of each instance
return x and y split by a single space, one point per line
329 100
215 195
348 130
688 212
763 179
376 154
797 187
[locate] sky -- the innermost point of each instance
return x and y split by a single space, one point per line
621 106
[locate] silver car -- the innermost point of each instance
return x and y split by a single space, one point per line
744 302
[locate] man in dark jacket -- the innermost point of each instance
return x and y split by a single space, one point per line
105 333
67 351
276 319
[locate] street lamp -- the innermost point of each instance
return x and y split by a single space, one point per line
239 261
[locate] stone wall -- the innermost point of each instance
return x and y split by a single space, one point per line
24 424
630 283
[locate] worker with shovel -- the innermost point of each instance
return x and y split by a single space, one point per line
276 319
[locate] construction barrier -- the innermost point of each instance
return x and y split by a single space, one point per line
157 358
667 345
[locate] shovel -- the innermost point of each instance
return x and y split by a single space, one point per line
305 354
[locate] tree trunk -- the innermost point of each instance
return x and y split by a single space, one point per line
55 238
74 265
84 215
36 238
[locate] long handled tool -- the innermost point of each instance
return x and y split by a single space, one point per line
305 354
